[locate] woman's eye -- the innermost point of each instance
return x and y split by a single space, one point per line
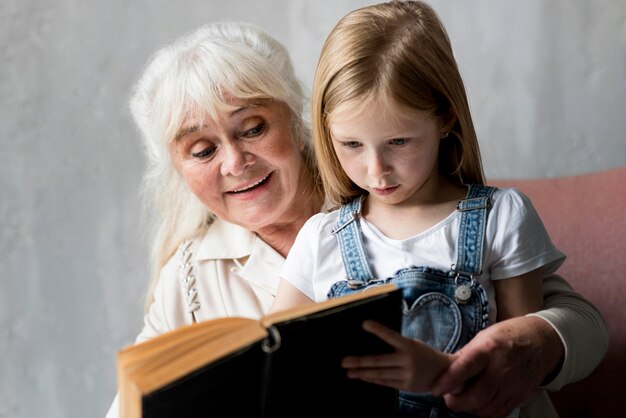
398 141
254 132
205 153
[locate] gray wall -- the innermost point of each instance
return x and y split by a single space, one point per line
547 85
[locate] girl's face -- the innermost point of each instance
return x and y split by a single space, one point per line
244 166
390 154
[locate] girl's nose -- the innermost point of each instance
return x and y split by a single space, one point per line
235 159
377 164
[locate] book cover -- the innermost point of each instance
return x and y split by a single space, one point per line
286 364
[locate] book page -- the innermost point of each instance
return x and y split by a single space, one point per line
163 359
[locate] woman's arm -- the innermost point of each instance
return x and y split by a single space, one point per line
500 367
579 327
510 360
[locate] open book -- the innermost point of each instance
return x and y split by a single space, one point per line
284 365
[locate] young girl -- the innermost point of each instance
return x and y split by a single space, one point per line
397 150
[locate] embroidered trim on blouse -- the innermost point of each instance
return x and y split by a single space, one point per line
188 279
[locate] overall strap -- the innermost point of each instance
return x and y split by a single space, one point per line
470 243
348 233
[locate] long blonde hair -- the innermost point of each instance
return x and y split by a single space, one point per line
398 52
193 76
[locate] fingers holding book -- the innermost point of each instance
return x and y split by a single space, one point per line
413 365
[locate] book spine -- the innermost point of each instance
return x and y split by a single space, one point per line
270 344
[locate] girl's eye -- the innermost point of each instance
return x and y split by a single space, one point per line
351 144
205 153
254 132
398 141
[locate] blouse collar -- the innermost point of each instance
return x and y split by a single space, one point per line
260 263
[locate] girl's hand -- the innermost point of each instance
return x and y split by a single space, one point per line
413 366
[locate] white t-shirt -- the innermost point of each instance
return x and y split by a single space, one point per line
516 242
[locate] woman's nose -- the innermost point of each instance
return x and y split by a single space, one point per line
235 159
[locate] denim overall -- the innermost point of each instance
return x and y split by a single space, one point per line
445 309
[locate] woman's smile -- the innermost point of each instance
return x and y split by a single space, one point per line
252 186
252 191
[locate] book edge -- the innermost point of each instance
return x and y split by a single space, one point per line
311 308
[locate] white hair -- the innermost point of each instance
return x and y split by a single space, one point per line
191 78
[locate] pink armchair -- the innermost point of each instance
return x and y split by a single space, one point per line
586 218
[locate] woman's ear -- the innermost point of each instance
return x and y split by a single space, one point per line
301 142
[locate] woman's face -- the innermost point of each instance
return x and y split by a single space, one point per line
244 166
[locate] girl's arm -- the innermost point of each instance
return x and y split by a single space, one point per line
414 366
518 296
287 296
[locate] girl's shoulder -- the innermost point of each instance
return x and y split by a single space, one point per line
322 221
513 207
510 198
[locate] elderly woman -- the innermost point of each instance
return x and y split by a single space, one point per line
231 180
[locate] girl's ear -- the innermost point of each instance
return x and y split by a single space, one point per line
447 122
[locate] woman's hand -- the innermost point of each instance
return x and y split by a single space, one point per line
413 366
501 367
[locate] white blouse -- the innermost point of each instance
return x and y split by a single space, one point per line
232 272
